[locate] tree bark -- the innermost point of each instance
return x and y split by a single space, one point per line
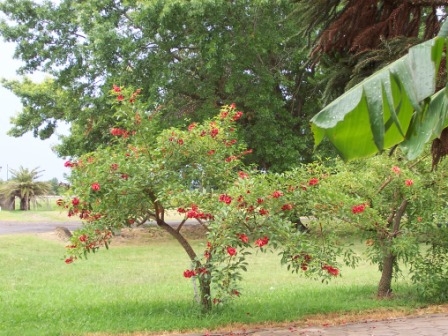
389 258
385 284
204 280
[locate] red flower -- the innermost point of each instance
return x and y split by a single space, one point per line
356 209
192 213
181 210
95 186
124 176
244 238
189 273
223 114
232 106
250 208
69 260
277 194
313 181
180 142
83 238
237 116
116 131
68 164
225 198
260 242
263 212
207 254
214 132
211 152
231 251
120 97
287 206
114 166
242 175
396 170
231 158
260 200
75 201
330 269
191 126
116 88
409 182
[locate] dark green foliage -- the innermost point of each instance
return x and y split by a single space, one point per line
188 57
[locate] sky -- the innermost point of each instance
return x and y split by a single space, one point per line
26 151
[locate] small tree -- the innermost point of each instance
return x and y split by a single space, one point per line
144 172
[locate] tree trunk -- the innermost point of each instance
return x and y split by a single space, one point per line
204 281
205 293
385 284
23 203
389 258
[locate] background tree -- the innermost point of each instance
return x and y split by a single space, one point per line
189 58
23 184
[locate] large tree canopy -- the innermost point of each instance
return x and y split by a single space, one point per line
187 56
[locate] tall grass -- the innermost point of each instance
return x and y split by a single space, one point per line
141 288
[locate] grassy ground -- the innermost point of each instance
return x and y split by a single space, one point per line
139 288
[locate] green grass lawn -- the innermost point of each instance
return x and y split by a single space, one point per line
141 288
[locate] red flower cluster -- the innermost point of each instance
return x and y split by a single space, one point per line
313 181
223 114
263 212
192 126
306 258
237 116
356 209
409 182
242 175
115 131
231 251
244 238
277 194
95 186
75 201
225 198
396 170
260 242
69 164
231 158
330 269
195 213
189 273
287 207
214 132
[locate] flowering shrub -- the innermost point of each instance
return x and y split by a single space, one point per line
143 171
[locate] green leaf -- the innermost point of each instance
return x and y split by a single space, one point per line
377 113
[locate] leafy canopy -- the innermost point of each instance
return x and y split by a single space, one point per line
189 58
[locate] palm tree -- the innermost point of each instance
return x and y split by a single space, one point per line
23 184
